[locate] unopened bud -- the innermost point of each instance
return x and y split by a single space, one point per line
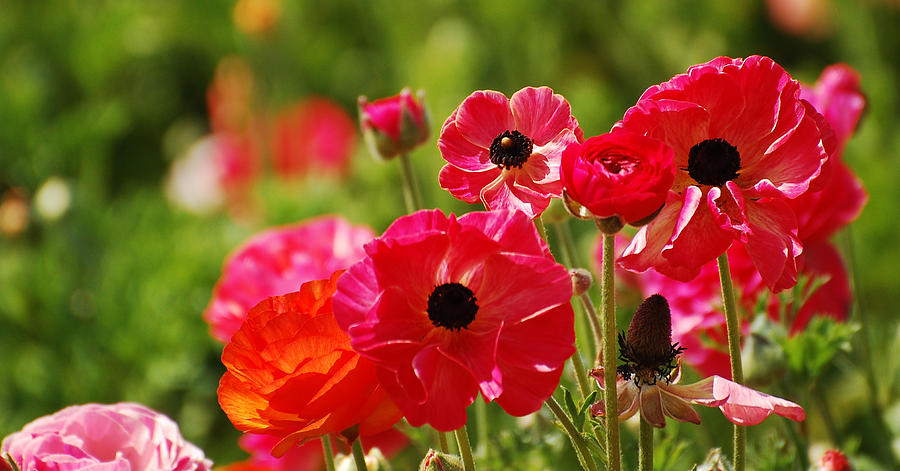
609 225
394 125
575 208
834 460
581 280
439 461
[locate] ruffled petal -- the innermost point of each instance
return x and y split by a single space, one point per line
459 151
506 193
509 229
772 242
483 116
465 185
539 113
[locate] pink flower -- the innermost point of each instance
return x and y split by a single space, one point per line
618 174
394 125
506 152
314 135
308 456
278 261
744 145
647 382
838 96
446 307
123 436
834 460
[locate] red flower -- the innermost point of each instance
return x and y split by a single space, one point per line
292 374
618 174
394 125
744 144
448 307
314 135
278 261
834 460
838 96
506 152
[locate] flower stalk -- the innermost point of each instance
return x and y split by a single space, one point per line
465 449
359 456
411 195
327 453
578 443
734 351
570 259
443 443
645 446
608 360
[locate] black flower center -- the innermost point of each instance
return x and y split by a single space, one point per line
452 306
714 162
511 149
648 351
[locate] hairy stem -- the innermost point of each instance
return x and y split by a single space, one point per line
411 195
734 351
581 448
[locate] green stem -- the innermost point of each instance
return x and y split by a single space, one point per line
326 451
443 443
411 194
482 431
359 457
608 304
539 225
570 259
645 447
594 320
734 351
581 448
465 449
584 384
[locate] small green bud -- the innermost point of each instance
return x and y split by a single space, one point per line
438 461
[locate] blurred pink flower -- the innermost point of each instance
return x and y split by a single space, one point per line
394 125
744 145
308 456
834 460
448 307
278 261
314 135
505 152
647 381
120 437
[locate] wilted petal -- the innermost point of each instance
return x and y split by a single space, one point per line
652 406
678 408
746 406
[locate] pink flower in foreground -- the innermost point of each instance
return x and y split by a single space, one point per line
315 135
446 307
744 143
647 382
123 436
618 174
278 261
505 152
394 125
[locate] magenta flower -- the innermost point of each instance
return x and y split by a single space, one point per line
744 143
119 437
278 261
394 125
506 152
315 135
647 382
448 307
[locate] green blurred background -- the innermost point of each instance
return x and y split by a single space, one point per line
104 303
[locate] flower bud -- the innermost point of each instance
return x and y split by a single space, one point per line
439 461
394 125
609 225
581 280
834 460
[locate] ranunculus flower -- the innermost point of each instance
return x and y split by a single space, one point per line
308 456
123 436
619 174
292 374
647 382
505 152
744 143
394 125
278 261
448 307
314 135
833 460
837 94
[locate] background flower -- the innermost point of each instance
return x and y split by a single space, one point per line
119 436
505 152
394 125
618 174
744 144
278 261
292 374
448 308
314 135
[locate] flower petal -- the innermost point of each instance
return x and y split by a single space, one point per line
465 185
746 406
677 408
483 116
459 151
539 113
652 406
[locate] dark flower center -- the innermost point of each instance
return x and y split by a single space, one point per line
511 149
713 162
647 350
452 306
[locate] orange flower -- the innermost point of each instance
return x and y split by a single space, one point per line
292 374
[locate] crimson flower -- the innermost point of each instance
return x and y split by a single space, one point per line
618 174
446 307
744 143
505 152
278 261
647 382
292 374
314 135
394 125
